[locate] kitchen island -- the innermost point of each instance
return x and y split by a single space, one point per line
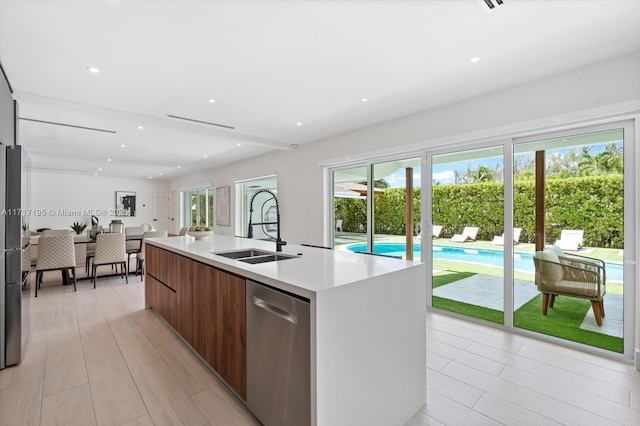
367 327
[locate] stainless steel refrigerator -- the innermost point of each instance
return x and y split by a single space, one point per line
14 233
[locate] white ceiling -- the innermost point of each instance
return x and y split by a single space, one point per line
270 65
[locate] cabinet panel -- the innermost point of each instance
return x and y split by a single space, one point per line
162 299
203 311
183 283
159 263
230 339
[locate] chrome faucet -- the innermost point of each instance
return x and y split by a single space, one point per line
279 242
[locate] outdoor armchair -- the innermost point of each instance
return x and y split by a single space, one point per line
570 275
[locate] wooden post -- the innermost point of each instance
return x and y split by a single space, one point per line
540 206
409 212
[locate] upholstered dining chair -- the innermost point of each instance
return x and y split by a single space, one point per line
110 250
55 252
134 246
140 256
183 231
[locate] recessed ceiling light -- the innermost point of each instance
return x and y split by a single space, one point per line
364 100
140 127
178 166
123 146
299 123
211 101
150 177
93 70
100 169
206 156
108 159
474 59
95 174
238 144
159 174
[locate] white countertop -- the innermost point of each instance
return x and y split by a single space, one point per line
314 271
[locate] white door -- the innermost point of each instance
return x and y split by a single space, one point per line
161 211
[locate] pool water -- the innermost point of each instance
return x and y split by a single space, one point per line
522 261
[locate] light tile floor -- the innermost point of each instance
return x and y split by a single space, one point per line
97 357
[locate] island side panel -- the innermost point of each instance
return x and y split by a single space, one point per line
371 350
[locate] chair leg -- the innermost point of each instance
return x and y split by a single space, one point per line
602 308
37 281
126 273
545 303
595 305
73 271
94 275
552 299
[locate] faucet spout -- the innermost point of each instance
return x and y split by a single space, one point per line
279 242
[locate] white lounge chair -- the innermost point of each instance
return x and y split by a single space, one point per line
499 240
570 239
437 230
469 233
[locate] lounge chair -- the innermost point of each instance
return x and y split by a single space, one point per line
563 274
499 240
468 234
436 231
570 240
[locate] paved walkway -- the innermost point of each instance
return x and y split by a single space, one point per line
486 291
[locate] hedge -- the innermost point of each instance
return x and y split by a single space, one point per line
594 204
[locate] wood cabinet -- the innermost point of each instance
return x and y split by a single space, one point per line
206 306
162 299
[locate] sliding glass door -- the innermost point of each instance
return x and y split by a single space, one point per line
468 236
569 194
376 208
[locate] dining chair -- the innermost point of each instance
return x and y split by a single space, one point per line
134 246
183 231
110 250
55 252
140 256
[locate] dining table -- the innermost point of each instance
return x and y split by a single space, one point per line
81 242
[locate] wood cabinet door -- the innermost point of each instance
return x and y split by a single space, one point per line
160 263
204 302
183 283
230 338
162 299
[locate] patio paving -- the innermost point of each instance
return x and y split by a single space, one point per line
486 291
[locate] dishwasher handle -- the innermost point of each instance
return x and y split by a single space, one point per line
275 310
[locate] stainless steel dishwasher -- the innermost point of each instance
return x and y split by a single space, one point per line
278 356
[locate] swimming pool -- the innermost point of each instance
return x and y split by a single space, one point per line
522 261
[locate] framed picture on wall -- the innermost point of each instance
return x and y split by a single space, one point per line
222 205
125 203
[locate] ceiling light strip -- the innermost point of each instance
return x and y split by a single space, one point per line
201 122
67 125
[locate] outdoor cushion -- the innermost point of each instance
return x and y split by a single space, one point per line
558 251
552 272
579 288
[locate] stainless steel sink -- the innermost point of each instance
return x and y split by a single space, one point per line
254 256
238 254
267 258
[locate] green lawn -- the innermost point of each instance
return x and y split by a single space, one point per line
563 320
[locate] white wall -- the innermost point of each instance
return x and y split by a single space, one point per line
54 191
529 106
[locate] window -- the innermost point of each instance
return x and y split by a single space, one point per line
264 207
